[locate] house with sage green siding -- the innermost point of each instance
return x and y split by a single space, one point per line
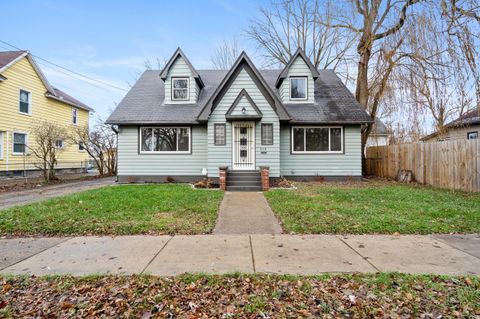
185 124
27 99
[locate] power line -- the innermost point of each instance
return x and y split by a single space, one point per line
56 70
71 71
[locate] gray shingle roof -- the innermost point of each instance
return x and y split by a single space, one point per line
144 103
379 128
471 117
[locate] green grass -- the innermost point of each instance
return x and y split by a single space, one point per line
119 210
381 295
375 207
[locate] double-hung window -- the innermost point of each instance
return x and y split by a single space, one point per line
59 144
180 89
1 145
298 88
267 134
317 139
81 146
165 140
19 143
220 134
24 105
74 115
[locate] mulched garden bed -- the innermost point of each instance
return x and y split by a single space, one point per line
242 296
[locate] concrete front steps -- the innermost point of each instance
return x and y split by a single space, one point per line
244 181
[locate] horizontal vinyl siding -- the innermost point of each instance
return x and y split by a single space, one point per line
347 164
180 69
132 163
21 75
298 68
222 155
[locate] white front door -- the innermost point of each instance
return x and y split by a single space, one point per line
243 145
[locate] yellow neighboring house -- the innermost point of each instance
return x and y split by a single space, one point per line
26 98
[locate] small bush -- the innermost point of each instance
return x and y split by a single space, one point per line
205 184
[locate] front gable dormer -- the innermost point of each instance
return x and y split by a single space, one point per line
295 83
182 82
243 108
244 66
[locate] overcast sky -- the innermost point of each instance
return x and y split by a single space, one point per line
110 40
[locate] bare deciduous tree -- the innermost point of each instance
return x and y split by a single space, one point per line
225 55
100 144
306 24
46 135
436 82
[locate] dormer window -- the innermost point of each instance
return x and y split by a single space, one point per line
298 88
180 89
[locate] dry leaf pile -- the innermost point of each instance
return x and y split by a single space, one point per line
242 296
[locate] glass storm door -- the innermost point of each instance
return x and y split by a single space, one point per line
243 145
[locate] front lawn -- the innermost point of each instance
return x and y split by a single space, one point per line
118 210
242 296
374 207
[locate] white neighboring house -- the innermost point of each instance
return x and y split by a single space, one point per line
380 135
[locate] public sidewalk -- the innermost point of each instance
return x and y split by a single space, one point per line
281 254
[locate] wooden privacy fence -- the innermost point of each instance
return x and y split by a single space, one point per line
450 164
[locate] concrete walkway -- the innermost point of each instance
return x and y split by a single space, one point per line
281 254
246 213
10 199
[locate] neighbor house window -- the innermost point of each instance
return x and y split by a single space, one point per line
59 144
74 115
1 145
24 106
180 89
220 134
81 146
267 134
165 139
19 143
472 135
318 139
298 88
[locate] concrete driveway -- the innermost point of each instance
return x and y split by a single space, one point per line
10 199
280 254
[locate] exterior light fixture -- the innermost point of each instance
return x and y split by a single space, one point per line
244 110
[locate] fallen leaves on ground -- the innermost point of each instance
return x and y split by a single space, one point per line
242 296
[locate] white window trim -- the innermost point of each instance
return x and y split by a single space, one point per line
2 144
306 88
173 79
13 143
261 134
472 132
75 111
60 147
223 126
305 140
29 102
166 152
